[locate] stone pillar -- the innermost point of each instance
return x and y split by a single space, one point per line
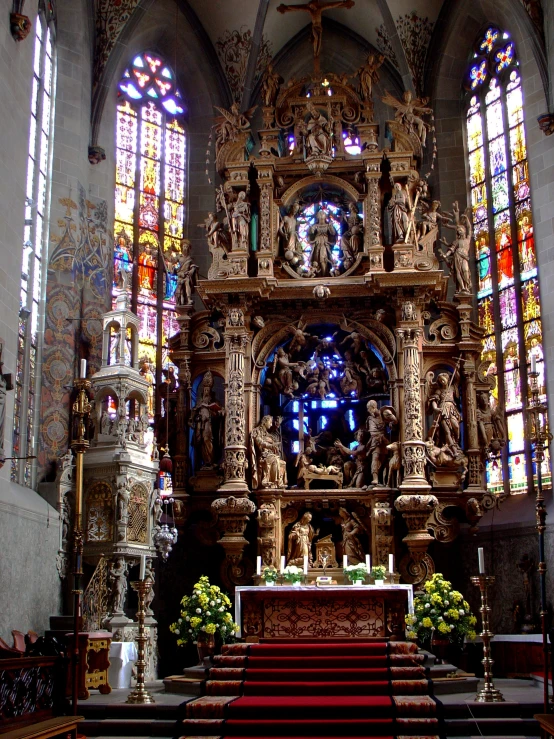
413 446
237 339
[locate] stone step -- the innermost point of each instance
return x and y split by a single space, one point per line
492 727
128 727
460 684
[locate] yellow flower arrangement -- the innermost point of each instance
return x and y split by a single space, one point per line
441 609
206 611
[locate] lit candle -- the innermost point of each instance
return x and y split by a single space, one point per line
391 563
533 363
305 564
345 560
258 565
481 556
83 369
368 562
282 563
142 574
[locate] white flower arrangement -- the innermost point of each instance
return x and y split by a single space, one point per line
355 572
292 573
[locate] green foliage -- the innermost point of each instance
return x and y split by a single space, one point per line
206 611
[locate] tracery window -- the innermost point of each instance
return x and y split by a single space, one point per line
508 288
150 207
37 205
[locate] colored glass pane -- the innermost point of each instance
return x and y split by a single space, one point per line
492 95
476 167
516 438
478 74
504 57
530 299
497 155
495 124
500 197
508 307
479 202
474 131
517 144
489 40
124 204
521 180
495 482
126 127
518 473
486 315
151 140
150 176
484 272
149 211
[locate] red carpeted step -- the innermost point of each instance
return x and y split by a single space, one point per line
377 687
347 727
318 649
311 706
317 662
291 675
342 736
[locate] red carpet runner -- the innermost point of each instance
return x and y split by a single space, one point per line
322 689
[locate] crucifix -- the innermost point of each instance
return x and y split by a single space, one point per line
315 8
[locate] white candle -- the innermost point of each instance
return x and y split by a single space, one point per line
368 562
533 363
345 560
305 564
142 574
391 563
258 565
481 556
282 563
83 369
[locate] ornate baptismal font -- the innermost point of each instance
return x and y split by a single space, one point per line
330 392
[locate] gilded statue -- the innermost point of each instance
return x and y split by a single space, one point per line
408 112
352 529
316 8
322 235
269 469
379 422
441 402
369 75
300 541
271 82
458 252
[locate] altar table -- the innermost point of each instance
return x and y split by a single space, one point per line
332 611
123 655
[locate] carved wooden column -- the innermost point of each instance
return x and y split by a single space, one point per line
233 516
413 446
237 339
265 254
181 454
474 453
416 509
372 213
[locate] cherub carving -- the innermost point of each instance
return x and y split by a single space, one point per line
408 113
231 124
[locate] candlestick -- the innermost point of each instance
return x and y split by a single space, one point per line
282 563
83 369
142 573
140 694
391 564
488 694
305 564
258 565
481 556
344 560
368 562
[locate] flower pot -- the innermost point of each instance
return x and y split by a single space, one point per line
205 646
269 583
357 582
296 584
380 583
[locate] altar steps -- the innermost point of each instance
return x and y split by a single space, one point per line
112 719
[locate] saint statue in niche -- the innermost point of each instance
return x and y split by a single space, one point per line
397 210
322 236
352 529
442 397
300 541
269 469
203 413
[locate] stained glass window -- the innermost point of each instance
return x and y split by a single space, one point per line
37 205
150 207
507 286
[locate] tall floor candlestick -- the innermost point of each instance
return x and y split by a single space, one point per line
540 438
79 444
489 694
140 694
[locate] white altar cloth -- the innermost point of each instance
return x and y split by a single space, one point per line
123 655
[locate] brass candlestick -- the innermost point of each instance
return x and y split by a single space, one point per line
79 444
541 438
489 694
140 694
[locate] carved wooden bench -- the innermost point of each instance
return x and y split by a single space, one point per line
309 476
546 722
64 726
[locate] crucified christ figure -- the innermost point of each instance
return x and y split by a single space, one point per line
315 8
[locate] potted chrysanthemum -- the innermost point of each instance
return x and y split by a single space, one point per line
270 575
441 616
356 573
293 574
378 573
205 619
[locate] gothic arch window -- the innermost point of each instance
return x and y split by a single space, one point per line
150 206
35 241
508 288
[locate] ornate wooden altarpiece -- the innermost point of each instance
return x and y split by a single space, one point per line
328 373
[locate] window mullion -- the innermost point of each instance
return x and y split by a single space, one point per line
161 268
495 282
136 215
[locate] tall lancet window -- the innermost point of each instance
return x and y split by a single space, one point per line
150 207
35 243
508 288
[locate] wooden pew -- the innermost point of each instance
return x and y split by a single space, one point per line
64 727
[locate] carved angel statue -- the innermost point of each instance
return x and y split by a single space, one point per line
441 394
369 75
408 113
271 82
300 541
269 469
230 124
457 255
284 372
300 338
